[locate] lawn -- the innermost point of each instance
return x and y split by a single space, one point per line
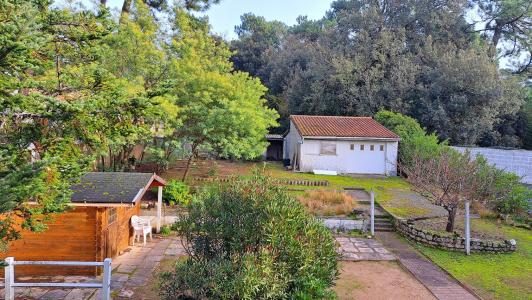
389 191
492 276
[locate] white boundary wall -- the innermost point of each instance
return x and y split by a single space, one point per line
517 161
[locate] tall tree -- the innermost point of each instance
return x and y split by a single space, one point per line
416 57
507 26
39 153
220 109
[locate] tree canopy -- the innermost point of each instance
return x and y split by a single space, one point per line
421 58
81 91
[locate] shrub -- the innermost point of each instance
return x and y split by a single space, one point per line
415 142
165 230
251 240
176 192
327 203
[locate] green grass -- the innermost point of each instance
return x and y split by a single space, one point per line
492 276
385 188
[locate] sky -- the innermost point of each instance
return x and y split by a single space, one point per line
226 15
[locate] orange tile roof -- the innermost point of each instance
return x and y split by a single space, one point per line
336 126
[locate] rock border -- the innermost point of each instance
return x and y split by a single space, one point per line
452 243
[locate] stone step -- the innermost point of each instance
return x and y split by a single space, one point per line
383 226
383 223
383 217
384 230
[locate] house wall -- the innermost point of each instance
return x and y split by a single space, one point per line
71 236
350 161
292 139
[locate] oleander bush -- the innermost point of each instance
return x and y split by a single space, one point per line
251 240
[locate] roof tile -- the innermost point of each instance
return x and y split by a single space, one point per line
337 126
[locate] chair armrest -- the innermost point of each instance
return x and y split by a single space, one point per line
146 222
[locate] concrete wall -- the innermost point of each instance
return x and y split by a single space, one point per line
349 160
291 140
517 161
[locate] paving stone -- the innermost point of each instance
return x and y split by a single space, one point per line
365 250
79 294
351 256
33 292
54 294
126 293
381 250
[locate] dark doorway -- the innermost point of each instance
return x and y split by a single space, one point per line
274 150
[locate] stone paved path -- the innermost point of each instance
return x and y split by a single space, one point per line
357 249
135 267
130 270
431 276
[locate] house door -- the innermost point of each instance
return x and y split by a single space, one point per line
368 158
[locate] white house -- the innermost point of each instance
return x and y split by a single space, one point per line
347 145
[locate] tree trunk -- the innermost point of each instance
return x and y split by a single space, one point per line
450 219
497 32
103 163
125 10
188 167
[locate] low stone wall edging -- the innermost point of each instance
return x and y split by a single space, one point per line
452 243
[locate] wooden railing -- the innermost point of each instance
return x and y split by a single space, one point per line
10 283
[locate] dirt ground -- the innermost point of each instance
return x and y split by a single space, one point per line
378 280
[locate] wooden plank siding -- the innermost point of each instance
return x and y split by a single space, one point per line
113 238
71 236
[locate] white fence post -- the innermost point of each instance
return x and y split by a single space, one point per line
467 230
106 284
9 274
372 220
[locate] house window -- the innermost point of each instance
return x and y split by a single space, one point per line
381 147
111 216
352 146
371 147
328 148
362 147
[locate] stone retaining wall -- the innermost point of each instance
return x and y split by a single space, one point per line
453 243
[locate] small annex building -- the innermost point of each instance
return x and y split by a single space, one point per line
95 227
274 151
346 145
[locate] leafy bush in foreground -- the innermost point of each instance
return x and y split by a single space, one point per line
251 240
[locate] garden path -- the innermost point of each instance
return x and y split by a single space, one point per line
439 283
131 270
358 249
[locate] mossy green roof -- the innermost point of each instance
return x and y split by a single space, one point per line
110 187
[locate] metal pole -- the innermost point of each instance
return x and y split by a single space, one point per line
9 273
372 220
106 281
467 230
159 209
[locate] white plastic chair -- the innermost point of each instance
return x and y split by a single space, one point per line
140 227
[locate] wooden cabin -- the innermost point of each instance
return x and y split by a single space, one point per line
96 226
